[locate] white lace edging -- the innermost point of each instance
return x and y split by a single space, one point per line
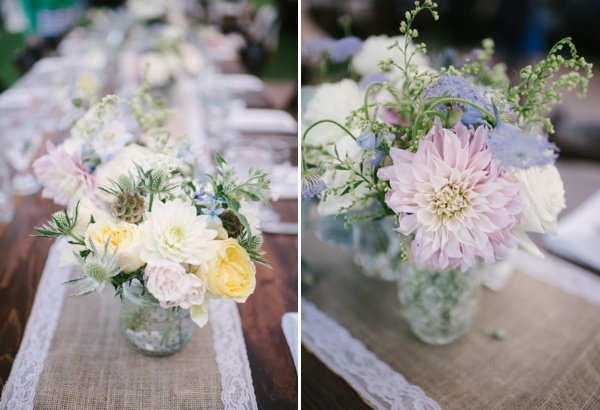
561 274
20 388
19 391
375 381
231 356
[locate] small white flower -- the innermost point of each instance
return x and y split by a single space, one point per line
173 232
110 139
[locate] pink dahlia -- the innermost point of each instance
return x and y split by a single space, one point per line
63 177
452 195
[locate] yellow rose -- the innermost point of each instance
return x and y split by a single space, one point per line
128 237
231 274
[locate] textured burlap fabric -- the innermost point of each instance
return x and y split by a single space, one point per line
549 359
90 365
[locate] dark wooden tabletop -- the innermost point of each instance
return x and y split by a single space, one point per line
22 260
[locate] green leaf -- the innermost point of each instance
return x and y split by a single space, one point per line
220 160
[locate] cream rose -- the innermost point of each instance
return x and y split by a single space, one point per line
127 237
231 274
172 286
543 191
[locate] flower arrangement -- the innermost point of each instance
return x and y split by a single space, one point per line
164 48
459 156
150 217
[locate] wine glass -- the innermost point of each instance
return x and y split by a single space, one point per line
21 142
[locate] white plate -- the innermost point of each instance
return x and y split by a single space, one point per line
262 120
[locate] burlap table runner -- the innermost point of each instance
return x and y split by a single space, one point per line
90 365
550 358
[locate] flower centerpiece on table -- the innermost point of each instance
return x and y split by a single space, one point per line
458 158
166 50
152 227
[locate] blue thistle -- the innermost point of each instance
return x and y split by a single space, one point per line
514 147
451 86
312 184
315 49
345 48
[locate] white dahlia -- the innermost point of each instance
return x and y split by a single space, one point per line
174 233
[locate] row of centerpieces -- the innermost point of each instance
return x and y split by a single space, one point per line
440 172
146 217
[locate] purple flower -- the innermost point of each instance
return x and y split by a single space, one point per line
514 147
312 184
452 86
315 49
345 48
472 116
368 140
371 142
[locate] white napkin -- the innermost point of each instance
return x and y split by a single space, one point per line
237 83
289 324
262 120
578 236
284 181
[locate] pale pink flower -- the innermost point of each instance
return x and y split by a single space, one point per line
172 286
453 196
63 177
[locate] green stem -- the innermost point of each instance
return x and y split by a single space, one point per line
327 121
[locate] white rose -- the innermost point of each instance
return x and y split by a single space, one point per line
543 191
334 102
172 286
375 49
347 147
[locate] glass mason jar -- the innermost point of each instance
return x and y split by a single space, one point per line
151 329
439 305
378 252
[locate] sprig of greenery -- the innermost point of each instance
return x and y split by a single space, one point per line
538 88
62 224
252 244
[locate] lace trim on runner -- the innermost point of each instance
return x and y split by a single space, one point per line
231 356
561 274
375 381
19 391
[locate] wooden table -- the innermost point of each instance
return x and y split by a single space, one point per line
22 259
323 389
